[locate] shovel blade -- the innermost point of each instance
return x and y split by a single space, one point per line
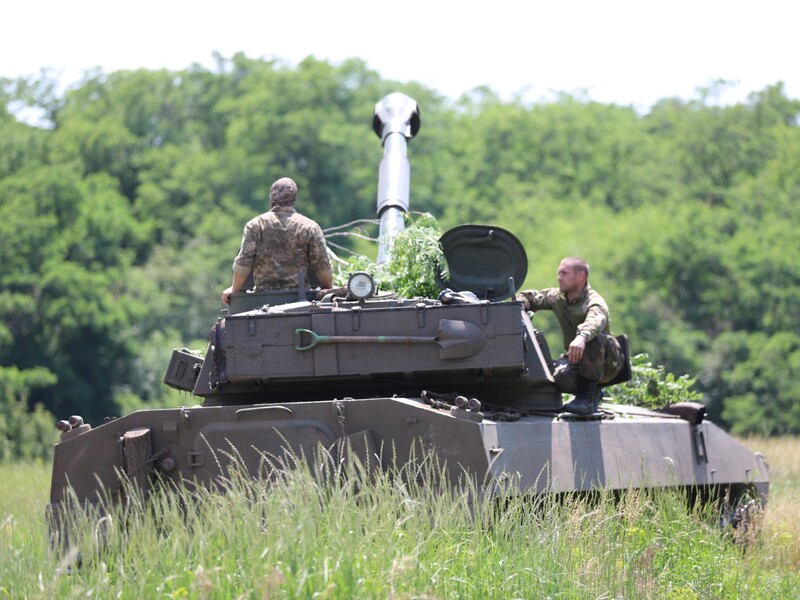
458 339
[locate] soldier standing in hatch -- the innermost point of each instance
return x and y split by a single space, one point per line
278 244
594 356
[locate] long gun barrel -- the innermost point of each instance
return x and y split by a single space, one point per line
395 121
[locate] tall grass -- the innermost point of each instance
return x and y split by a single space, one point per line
24 546
396 537
779 544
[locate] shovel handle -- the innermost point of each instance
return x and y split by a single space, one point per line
315 339
353 339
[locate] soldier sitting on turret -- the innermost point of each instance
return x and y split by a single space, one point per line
594 356
278 244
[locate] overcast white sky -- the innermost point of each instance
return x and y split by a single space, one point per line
630 52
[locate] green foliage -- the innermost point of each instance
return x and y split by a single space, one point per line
26 433
653 387
415 261
120 216
755 380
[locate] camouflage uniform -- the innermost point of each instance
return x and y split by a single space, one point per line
588 316
278 244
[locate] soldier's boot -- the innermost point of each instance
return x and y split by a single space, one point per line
587 398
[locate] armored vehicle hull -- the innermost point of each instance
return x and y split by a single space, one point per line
627 447
464 379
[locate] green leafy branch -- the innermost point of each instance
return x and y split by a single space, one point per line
653 387
415 261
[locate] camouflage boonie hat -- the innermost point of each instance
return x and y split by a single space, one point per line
283 191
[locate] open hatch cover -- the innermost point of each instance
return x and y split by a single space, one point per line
483 259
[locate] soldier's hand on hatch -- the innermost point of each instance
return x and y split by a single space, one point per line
226 295
575 350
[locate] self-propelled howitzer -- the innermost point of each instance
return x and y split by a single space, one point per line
464 377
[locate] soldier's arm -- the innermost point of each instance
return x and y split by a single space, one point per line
325 278
576 348
248 247
242 264
239 277
538 299
594 323
318 258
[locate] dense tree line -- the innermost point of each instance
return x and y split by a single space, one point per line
121 211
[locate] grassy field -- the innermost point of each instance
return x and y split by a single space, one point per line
296 539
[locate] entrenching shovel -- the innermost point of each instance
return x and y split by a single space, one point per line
456 339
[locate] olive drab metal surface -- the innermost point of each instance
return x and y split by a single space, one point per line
354 342
465 377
